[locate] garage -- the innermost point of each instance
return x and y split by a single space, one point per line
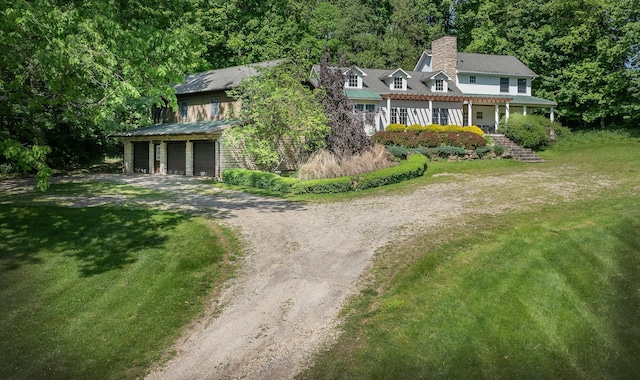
141 157
204 161
176 158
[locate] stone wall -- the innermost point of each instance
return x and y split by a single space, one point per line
444 51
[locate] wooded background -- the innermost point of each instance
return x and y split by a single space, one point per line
72 72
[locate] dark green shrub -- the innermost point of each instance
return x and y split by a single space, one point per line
421 150
529 131
411 168
323 186
481 152
398 151
447 150
499 149
258 179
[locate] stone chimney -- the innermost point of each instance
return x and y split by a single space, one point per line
444 51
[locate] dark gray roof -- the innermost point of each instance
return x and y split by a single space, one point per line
173 129
221 79
415 85
492 64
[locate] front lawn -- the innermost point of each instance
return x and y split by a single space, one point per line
101 292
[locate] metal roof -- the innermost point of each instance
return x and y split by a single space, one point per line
221 79
173 129
361 94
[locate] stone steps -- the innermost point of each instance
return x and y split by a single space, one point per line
516 151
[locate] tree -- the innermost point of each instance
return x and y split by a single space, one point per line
347 136
281 120
72 72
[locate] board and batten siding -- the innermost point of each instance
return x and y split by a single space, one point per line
418 112
199 107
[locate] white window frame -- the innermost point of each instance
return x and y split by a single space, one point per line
353 81
439 85
504 85
472 79
398 83
214 108
522 86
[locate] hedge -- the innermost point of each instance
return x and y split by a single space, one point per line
413 167
428 139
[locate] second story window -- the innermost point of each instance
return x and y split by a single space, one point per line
472 79
398 83
215 107
504 84
184 111
352 81
522 86
439 85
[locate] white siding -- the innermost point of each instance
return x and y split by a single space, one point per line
490 84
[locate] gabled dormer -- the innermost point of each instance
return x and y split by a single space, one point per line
353 77
437 82
424 63
396 79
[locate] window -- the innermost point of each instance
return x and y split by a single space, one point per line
479 115
215 107
472 79
522 86
398 116
439 85
184 111
398 83
365 107
440 116
504 84
353 81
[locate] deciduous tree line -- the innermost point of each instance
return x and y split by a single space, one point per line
71 72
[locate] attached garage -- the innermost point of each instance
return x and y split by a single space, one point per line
204 158
176 158
141 157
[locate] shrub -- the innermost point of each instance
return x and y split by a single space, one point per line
499 149
481 152
421 150
322 186
452 128
324 164
416 127
385 138
530 131
395 127
413 167
465 140
474 129
434 128
447 150
398 151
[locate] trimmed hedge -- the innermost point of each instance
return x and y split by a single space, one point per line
413 167
427 139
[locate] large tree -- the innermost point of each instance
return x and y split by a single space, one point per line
71 72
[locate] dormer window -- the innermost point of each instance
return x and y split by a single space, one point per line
398 83
439 85
352 81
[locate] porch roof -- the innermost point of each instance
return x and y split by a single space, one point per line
361 94
171 129
513 99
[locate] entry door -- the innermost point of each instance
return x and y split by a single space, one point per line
176 158
141 157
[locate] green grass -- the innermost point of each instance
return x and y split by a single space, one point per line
550 292
101 292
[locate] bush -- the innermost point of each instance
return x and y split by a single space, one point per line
324 164
323 186
447 150
474 129
416 127
465 140
434 128
396 128
481 152
398 151
421 150
499 149
414 167
452 128
258 179
530 131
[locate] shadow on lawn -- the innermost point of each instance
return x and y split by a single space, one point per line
100 238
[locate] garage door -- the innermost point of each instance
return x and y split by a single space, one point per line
176 158
204 161
141 157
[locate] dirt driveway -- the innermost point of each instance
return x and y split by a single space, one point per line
305 260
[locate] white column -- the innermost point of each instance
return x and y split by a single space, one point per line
497 117
470 113
430 115
388 112
524 110
152 152
551 117
188 167
127 164
163 157
506 112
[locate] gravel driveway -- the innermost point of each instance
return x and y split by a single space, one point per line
305 260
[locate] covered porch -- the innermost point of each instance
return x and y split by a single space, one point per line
487 111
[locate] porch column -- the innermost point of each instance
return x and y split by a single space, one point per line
163 157
388 112
524 110
127 160
430 115
497 117
152 153
506 112
469 113
377 126
551 117
188 167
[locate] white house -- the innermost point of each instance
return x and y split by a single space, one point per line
445 87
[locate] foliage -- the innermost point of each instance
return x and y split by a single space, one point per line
428 139
398 151
396 127
481 152
323 186
28 160
324 164
474 129
413 127
258 179
281 120
448 150
347 136
421 150
531 131
408 169
74 72
498 149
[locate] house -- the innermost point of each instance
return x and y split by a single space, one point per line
188 141
445 87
